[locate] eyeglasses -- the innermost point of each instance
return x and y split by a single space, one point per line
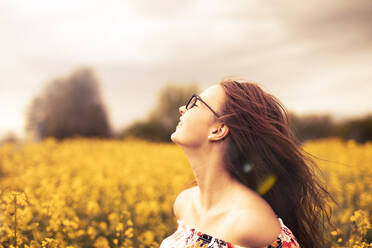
193 100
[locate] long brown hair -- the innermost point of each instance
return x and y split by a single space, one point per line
261 148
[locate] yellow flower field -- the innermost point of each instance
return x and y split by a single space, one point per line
111 193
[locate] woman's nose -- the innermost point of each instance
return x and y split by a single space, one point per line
182 109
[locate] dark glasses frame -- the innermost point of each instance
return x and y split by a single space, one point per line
198 98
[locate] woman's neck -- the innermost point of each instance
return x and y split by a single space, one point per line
216 186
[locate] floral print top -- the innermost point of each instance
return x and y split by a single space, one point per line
188 237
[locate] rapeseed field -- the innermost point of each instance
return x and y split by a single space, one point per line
109 193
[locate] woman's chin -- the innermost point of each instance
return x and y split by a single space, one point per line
173 136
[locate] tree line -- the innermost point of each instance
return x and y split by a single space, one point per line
73 106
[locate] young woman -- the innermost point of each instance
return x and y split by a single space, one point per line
254 185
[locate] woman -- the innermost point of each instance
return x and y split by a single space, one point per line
253 187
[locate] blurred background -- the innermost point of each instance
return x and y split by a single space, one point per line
119 68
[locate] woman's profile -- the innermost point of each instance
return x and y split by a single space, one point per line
254 186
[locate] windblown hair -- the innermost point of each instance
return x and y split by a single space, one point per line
260 136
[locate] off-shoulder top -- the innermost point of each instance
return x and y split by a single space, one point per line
189 237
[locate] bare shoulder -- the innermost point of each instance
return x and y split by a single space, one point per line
255 227
181 201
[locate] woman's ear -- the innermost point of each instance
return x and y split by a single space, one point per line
218 132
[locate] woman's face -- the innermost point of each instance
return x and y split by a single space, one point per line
197 123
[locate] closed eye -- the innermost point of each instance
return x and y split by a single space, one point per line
192 105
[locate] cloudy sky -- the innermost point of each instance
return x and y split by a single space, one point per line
315 56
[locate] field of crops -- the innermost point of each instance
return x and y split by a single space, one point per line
99 193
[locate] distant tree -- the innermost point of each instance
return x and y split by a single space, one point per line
313 126
36 120
147 130
359 129
162 120
171 97
69 106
